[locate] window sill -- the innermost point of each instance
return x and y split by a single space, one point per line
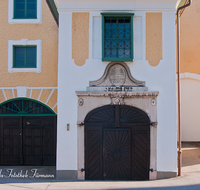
24 21
13 70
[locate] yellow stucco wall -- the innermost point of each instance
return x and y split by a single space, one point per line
47 32
154 38
190 39
80 38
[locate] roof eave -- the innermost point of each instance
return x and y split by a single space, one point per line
53 10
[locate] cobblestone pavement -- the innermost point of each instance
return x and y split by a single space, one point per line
190 178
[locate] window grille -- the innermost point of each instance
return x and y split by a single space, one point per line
117 38
24 107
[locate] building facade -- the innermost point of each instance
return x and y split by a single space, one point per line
108 73
97 68
28 87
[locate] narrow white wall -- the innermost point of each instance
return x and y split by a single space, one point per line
66 140
190 109
167 109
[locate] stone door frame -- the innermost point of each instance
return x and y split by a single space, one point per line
89 100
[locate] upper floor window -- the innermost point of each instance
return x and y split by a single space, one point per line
25 9
24 56
117 36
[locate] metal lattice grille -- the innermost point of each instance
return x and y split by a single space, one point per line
24 107
117 37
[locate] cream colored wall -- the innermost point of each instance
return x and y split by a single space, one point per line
190 109
190 39
47 32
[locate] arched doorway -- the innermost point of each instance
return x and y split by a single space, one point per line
27 133
117 143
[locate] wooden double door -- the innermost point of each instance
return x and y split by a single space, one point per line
117 144
28 140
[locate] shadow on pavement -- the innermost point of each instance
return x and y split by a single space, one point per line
190 153
189 187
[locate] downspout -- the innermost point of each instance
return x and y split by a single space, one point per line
178 76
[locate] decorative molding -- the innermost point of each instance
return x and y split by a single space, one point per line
117 77
117 94
189 76
154 44
24 42
22 92
11 19
80 37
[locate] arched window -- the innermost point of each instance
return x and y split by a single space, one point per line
25 107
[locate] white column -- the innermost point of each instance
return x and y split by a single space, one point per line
67 108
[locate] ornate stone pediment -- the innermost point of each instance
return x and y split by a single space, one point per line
117 77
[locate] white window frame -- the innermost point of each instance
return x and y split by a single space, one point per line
12 20
24 42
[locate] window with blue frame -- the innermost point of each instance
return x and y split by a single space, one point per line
25 9
117 36
24 57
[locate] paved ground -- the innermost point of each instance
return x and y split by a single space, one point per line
190 178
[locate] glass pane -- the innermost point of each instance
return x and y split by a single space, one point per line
112 44
124 23
20 14
19 57
124 47
31 14
19 63
20 6
30 63
125 44
124 34
127 53
31 50
110 22
19 50
31 6
127 33
124 53
109 53
121 34
109 33
30 56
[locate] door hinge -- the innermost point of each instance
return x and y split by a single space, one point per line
80 124
154 124
151 169
82 169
